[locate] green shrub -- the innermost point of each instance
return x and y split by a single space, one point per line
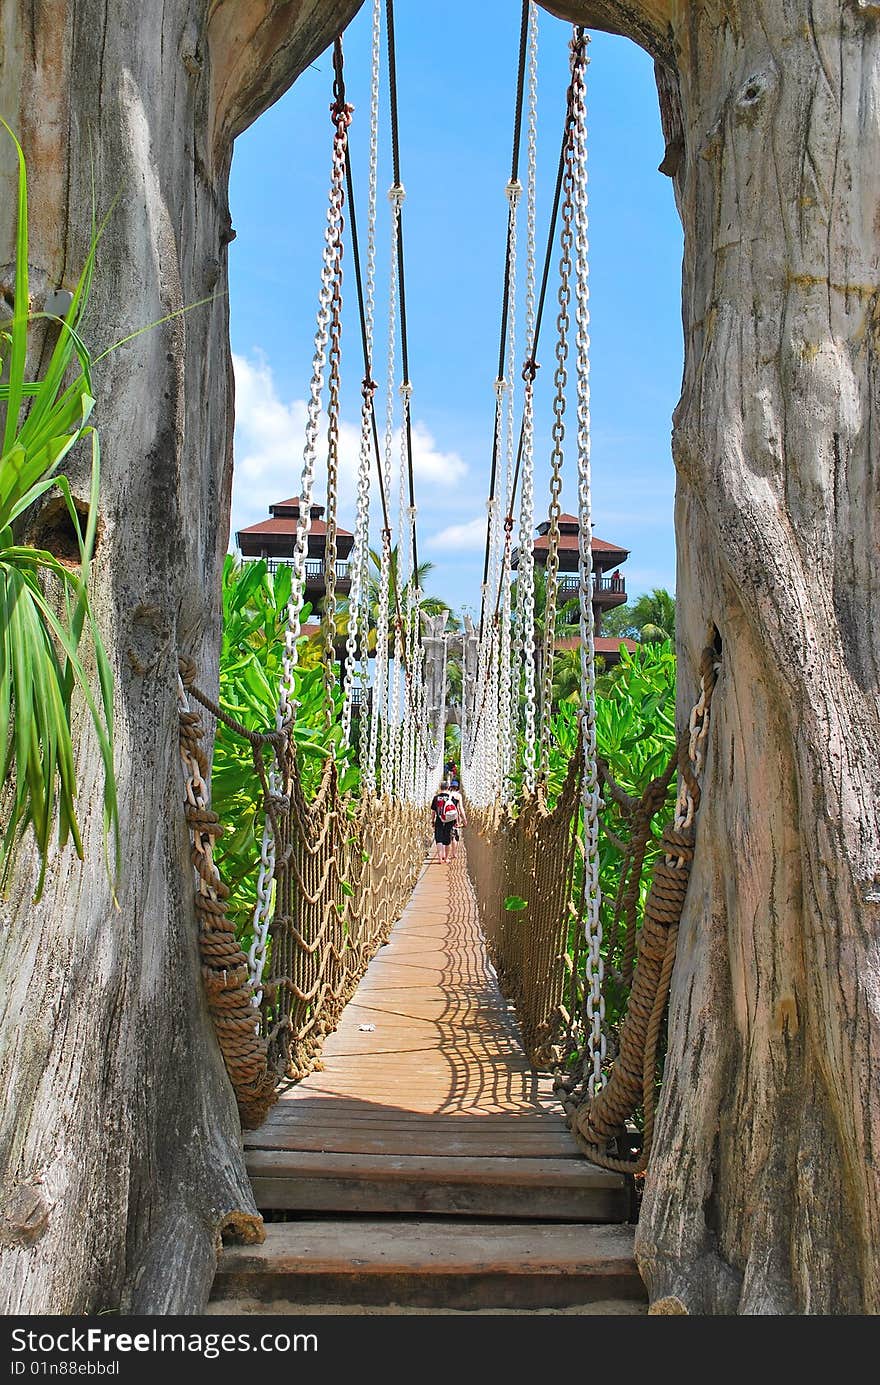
254 619
44 603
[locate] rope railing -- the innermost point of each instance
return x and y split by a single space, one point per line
521 865
524 868
343 870
347 869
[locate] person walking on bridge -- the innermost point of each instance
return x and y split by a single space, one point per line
448 810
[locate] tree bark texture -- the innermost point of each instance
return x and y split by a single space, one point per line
764 1193
119 1142
119 1139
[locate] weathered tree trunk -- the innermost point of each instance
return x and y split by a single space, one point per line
121 1155
763 1195
119 1139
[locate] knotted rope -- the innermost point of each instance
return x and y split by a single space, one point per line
224 966
342 874
599 1120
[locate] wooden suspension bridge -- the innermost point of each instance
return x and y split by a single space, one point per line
425 1164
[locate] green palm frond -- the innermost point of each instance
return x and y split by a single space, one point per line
44 604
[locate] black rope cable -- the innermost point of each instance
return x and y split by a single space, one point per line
532 363
368 382
505 292
539 317
369 387
401 278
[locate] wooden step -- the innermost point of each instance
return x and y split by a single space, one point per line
452 1265
544 1189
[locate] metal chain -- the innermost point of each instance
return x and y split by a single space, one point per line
340 114
698 730
360 556
396 195
525 585
354 642
378 723
404 538
506 693
328 613
411 724
590 798
560 380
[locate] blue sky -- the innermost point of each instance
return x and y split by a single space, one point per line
456 75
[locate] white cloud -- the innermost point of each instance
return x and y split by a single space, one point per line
462 537
269 441
432 465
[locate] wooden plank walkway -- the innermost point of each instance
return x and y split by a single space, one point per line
425 1107
426 1101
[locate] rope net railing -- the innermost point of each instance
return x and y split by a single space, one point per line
588 976
527 867
521 864
335 869
344 868
348 868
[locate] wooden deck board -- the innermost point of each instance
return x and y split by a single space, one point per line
463 1265
434 1107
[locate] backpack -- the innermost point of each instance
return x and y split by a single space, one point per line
447 809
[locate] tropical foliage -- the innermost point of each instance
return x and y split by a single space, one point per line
429 605
254 616
635 735
44 598
650 619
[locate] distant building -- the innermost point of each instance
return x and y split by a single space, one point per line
609 587
274 539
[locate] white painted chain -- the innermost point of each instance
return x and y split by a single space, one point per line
381 710
413 719
506 691
360 555
525 583
285 710
361 545
590 799
404 537
379 719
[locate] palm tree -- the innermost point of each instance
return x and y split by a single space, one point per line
566 675
428 605
649 619
566 611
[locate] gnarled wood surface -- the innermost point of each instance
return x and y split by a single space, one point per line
121 1153
763 1196
118 1125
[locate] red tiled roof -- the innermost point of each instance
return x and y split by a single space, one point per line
571 522
567 520
282 527
570 541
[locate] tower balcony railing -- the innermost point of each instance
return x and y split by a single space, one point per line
315 569
569 583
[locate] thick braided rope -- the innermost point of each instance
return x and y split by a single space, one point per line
601 1118
224 968
632 1079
